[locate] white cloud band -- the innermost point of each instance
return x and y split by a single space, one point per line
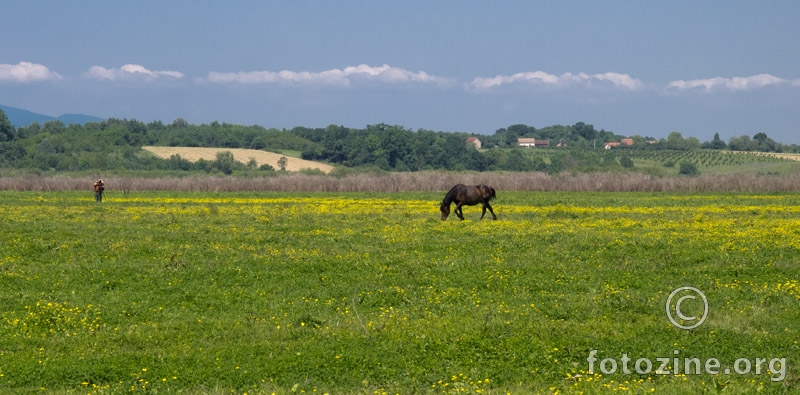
340 77
129 71
617 80
731 84
26 72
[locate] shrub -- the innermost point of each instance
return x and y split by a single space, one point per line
688 168
225 162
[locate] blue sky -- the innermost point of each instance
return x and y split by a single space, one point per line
632 67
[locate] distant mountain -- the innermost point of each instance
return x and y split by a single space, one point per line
19 117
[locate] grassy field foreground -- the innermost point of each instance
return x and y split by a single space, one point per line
372 293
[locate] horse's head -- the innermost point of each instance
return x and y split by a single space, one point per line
445 208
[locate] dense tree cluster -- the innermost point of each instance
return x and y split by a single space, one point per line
579 135
116 144
393 148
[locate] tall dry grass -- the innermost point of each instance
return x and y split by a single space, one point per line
420 181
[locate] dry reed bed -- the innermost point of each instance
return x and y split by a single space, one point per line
420 181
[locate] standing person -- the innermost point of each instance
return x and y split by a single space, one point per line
99 187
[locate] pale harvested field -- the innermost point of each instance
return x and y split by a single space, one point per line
789 156
786 156
194 154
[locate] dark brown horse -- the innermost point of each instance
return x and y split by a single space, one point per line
469 195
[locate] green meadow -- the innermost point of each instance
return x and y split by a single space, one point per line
261 293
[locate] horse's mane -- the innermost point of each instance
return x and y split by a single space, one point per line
451 195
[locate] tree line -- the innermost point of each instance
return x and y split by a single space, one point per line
115 144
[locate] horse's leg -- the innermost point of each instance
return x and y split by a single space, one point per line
483 209
459 212
489 206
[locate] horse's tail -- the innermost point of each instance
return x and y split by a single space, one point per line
492 194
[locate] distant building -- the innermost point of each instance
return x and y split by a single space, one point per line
612 144
528 142
474 141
